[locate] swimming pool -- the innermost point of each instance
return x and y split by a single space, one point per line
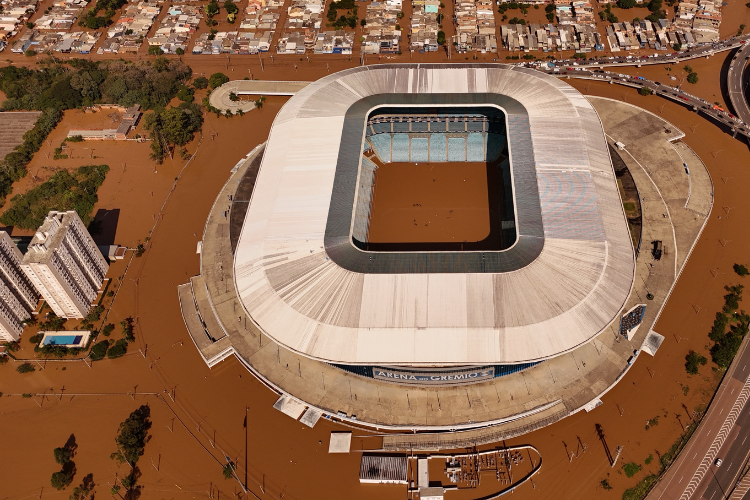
67 339
63 340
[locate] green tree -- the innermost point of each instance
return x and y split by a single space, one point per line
217 80
692 360
61 480
201 82
441 37
86 489
155 50
179 51
692 78
740 269
230 7
645 91
119 349
627 4
99 350
63 455
132 436
228 470
25 368
185 94
211 9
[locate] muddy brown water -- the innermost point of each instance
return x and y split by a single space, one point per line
293 458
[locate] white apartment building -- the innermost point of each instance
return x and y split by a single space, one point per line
18 297
65 265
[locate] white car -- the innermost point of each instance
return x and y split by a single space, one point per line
718 462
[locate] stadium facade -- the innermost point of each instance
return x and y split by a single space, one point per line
308 278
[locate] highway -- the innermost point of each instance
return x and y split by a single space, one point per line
736 83
723 433
668 58
718 115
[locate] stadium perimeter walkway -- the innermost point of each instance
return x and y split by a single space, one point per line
533 398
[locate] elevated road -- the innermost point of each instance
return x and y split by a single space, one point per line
718 115
736 83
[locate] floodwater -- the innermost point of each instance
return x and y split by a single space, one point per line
195 434
430 202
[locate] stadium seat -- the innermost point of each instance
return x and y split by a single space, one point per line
400 148
438 147
419 150
456 126
381 143
419 126
381 128
400 126
457 148
474 147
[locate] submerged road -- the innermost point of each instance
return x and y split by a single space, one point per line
736 83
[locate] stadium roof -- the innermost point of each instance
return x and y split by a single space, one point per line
303 282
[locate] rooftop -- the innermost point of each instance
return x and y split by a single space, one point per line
305 284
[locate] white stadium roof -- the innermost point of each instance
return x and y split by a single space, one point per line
304 283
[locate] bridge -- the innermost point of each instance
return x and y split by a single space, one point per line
736 85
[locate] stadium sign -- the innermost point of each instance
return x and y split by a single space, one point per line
434 378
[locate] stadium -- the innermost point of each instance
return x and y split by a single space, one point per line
543 262
432 247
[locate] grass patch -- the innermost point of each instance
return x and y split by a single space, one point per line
640 490
649 459
631 469
64 191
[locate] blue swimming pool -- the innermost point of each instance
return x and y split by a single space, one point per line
63 340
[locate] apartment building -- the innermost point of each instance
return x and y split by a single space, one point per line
65 265
18 297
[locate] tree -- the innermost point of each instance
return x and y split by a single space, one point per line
25 368
230 7
217 80
179 51
645 91
233 97
61 480
692 78
185 94
211 9
627 4
740 269
85 491
441 37
99 350
119 349
30 53
132 436
228 470
692 360
155 50
128 329
63 455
